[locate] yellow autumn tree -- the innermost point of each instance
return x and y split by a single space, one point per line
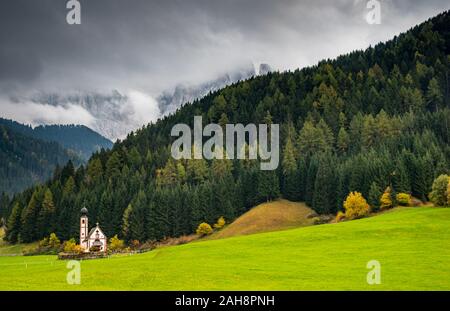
403 199
116 244
220 223
386 199
356 206
204 229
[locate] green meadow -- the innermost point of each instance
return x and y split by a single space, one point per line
411 244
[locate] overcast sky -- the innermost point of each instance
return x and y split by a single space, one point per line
148 46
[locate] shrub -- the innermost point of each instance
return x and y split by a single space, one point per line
148 245
53 241
135 244
438 194
316 220
220 223
356 206
94 248
46 246
386 199
77 249
71 246
178 240
43 243
403 199
340 216
204 229
116 244
448 192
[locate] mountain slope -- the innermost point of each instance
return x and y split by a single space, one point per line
26 161
411 244
363 122
79 139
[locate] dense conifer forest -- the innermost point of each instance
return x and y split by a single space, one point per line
25 161
78 139
363 122
30 155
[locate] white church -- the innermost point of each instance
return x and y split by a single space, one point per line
94 240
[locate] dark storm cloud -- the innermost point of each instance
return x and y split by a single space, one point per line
150 45
154 43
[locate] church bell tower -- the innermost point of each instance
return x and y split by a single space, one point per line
84 228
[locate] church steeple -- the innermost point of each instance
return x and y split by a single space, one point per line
84 227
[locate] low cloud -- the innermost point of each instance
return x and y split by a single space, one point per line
142 107
31 113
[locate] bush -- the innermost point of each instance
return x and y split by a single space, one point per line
403 199
386 199
135 244
340 216
220 223
43 243
116 244
46 246
204 229
356 206
448 192
438 194
53 241
72 247
148 245
316 220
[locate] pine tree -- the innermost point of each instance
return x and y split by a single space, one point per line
137 218
46 221
28 231
126 231
343 141
290 174
434 95
374 196
310 181
113 166
14 223
325 188
268 186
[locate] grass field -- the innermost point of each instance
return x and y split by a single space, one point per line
266 217
411 244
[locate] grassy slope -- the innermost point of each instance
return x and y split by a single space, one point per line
273 216
412 245
16 249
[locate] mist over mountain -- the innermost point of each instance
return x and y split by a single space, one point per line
169 101
116 113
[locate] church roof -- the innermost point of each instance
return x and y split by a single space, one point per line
93 230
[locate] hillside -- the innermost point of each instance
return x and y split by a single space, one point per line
272 216
362 122
78 139
25 161
411 244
